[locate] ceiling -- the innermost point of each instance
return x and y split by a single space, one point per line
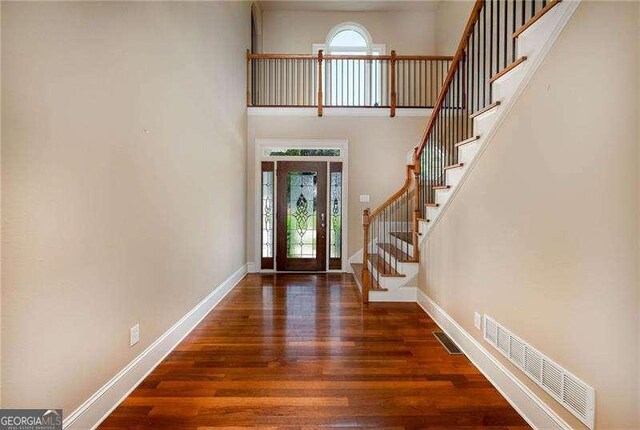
351 6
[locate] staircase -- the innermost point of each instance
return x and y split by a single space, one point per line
502 45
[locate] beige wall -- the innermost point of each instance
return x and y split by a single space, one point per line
105 225
544 234
451 18
294 32
1 260
377 155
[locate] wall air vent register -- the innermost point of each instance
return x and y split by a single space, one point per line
572 393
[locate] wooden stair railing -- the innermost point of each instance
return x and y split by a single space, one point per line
486 52
324 81
393 225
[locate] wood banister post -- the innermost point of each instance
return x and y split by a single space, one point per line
464 80
248 78
392 84
320 97
416 210
366 220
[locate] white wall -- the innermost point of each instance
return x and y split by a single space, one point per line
377 155
543 236
294 32
104 224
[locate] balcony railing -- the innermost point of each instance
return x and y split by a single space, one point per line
364 81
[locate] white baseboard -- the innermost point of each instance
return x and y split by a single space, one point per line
537 413
95 409
252 267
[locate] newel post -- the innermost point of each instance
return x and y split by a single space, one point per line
366 220
416 207
248 78
320 57
392 84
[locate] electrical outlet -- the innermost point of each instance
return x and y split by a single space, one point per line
134 335
477 320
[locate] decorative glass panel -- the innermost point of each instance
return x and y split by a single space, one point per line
267 214
302 190
335 208
301 152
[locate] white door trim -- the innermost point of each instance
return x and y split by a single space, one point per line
259 150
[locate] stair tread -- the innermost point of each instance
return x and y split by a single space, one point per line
454 166
403 236
396 253
442 187
507 69
469 140
383 267
358 268
484 109
432 205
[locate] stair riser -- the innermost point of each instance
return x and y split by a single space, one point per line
432 213
453 176
442 196
533 39
404 294
408 269
423 227
388 282
485 122
468 151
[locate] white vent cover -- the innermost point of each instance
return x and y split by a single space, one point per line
571 392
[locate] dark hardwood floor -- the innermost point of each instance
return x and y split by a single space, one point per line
300 351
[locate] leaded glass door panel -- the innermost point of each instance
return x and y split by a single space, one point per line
302 215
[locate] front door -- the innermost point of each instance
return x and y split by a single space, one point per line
301 215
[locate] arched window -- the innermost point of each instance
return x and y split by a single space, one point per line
349 38
352 82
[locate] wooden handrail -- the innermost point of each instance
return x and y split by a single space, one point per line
462 46
425 57
320 77
349 57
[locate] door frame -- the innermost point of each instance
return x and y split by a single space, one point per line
259 148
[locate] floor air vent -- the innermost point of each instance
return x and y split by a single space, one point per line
448 344
576 396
